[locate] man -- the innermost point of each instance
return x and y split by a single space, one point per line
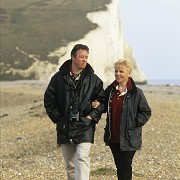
67 101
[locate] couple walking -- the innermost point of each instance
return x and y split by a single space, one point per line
75 100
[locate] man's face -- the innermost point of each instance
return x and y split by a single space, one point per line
80 61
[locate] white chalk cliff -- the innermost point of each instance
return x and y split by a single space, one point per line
106 45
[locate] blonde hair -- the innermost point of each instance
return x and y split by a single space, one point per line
125 63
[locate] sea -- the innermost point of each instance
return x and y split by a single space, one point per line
171 82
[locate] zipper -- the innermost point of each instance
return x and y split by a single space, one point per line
109 113
127 122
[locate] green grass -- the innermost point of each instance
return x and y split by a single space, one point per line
38 27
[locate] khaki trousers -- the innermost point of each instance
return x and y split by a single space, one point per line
77 160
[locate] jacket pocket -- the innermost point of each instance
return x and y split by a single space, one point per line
135 138
62 127
78 128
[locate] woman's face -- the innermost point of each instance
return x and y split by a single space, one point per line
121 74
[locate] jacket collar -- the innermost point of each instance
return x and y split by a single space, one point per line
65 72
66 67
131 86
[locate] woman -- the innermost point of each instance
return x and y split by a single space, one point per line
127 111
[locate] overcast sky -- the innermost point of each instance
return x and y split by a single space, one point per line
152 29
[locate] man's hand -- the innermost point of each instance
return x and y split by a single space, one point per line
89 117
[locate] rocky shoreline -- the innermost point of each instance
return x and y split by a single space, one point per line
28 138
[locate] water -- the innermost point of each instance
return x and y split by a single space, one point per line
172 82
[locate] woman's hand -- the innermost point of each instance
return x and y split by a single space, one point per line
95 104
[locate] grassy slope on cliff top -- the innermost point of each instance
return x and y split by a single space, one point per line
40 26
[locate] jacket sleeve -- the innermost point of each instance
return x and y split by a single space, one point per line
143 110
96 113
50 101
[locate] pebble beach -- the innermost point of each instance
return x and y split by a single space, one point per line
28 137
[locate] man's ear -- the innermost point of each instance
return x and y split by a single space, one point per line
72 57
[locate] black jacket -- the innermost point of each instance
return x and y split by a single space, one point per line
63 97
135 114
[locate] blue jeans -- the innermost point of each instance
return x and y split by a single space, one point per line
123 161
